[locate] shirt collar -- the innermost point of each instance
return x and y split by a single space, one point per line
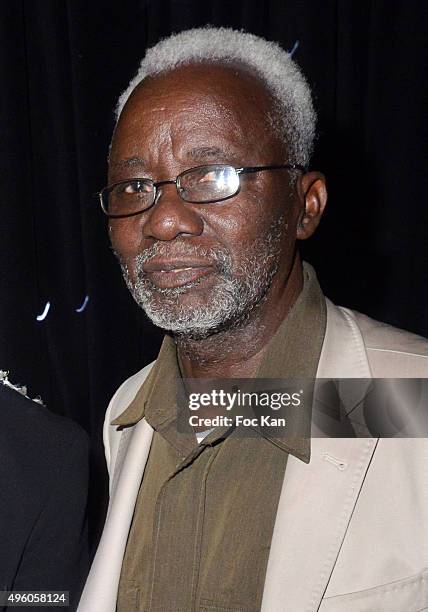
158 390
294 352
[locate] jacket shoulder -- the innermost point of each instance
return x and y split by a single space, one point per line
392 352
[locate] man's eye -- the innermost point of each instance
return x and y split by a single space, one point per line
135 187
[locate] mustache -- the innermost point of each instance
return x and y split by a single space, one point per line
220 257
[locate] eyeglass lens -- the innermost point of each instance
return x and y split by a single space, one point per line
209 183
199 185
129 197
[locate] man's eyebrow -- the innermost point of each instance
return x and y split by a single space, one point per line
203 153
129 162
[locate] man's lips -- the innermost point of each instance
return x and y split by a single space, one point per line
167 265
171 273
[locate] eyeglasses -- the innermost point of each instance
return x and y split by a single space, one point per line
201 185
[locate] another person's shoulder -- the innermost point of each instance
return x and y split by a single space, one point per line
44 472
28 424
392 352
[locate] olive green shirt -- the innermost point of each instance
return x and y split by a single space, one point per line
204 516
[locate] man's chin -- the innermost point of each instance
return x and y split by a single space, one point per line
188 311
181 324
175 308
193 319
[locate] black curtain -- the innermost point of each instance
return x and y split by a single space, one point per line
62 67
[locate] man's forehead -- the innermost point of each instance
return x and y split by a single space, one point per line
231 86
199 154
196 152
208 112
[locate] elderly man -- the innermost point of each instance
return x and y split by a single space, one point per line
208 195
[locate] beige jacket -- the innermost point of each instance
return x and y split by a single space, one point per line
351 531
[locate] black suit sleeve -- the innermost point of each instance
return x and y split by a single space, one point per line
56 554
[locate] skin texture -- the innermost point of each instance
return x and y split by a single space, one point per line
200 114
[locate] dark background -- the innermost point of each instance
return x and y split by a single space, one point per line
62 67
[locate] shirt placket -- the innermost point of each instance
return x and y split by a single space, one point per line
165 496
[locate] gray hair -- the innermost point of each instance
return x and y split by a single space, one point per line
295 118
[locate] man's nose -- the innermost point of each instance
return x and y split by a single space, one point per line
170 216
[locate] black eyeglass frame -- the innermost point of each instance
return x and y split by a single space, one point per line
244 170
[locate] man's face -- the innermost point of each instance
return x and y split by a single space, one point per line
198 268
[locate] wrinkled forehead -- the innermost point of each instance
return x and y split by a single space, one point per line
201 97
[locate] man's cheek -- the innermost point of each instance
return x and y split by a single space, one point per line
118 243
125 235
126 260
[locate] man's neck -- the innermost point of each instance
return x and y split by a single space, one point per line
238 352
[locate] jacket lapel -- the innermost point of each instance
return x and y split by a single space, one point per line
343 357
100 592
314 510
343 354
317 499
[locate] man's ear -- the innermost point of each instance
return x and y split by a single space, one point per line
312 192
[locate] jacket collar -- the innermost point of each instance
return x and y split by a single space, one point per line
343 378
343 354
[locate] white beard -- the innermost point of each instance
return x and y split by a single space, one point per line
232 298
